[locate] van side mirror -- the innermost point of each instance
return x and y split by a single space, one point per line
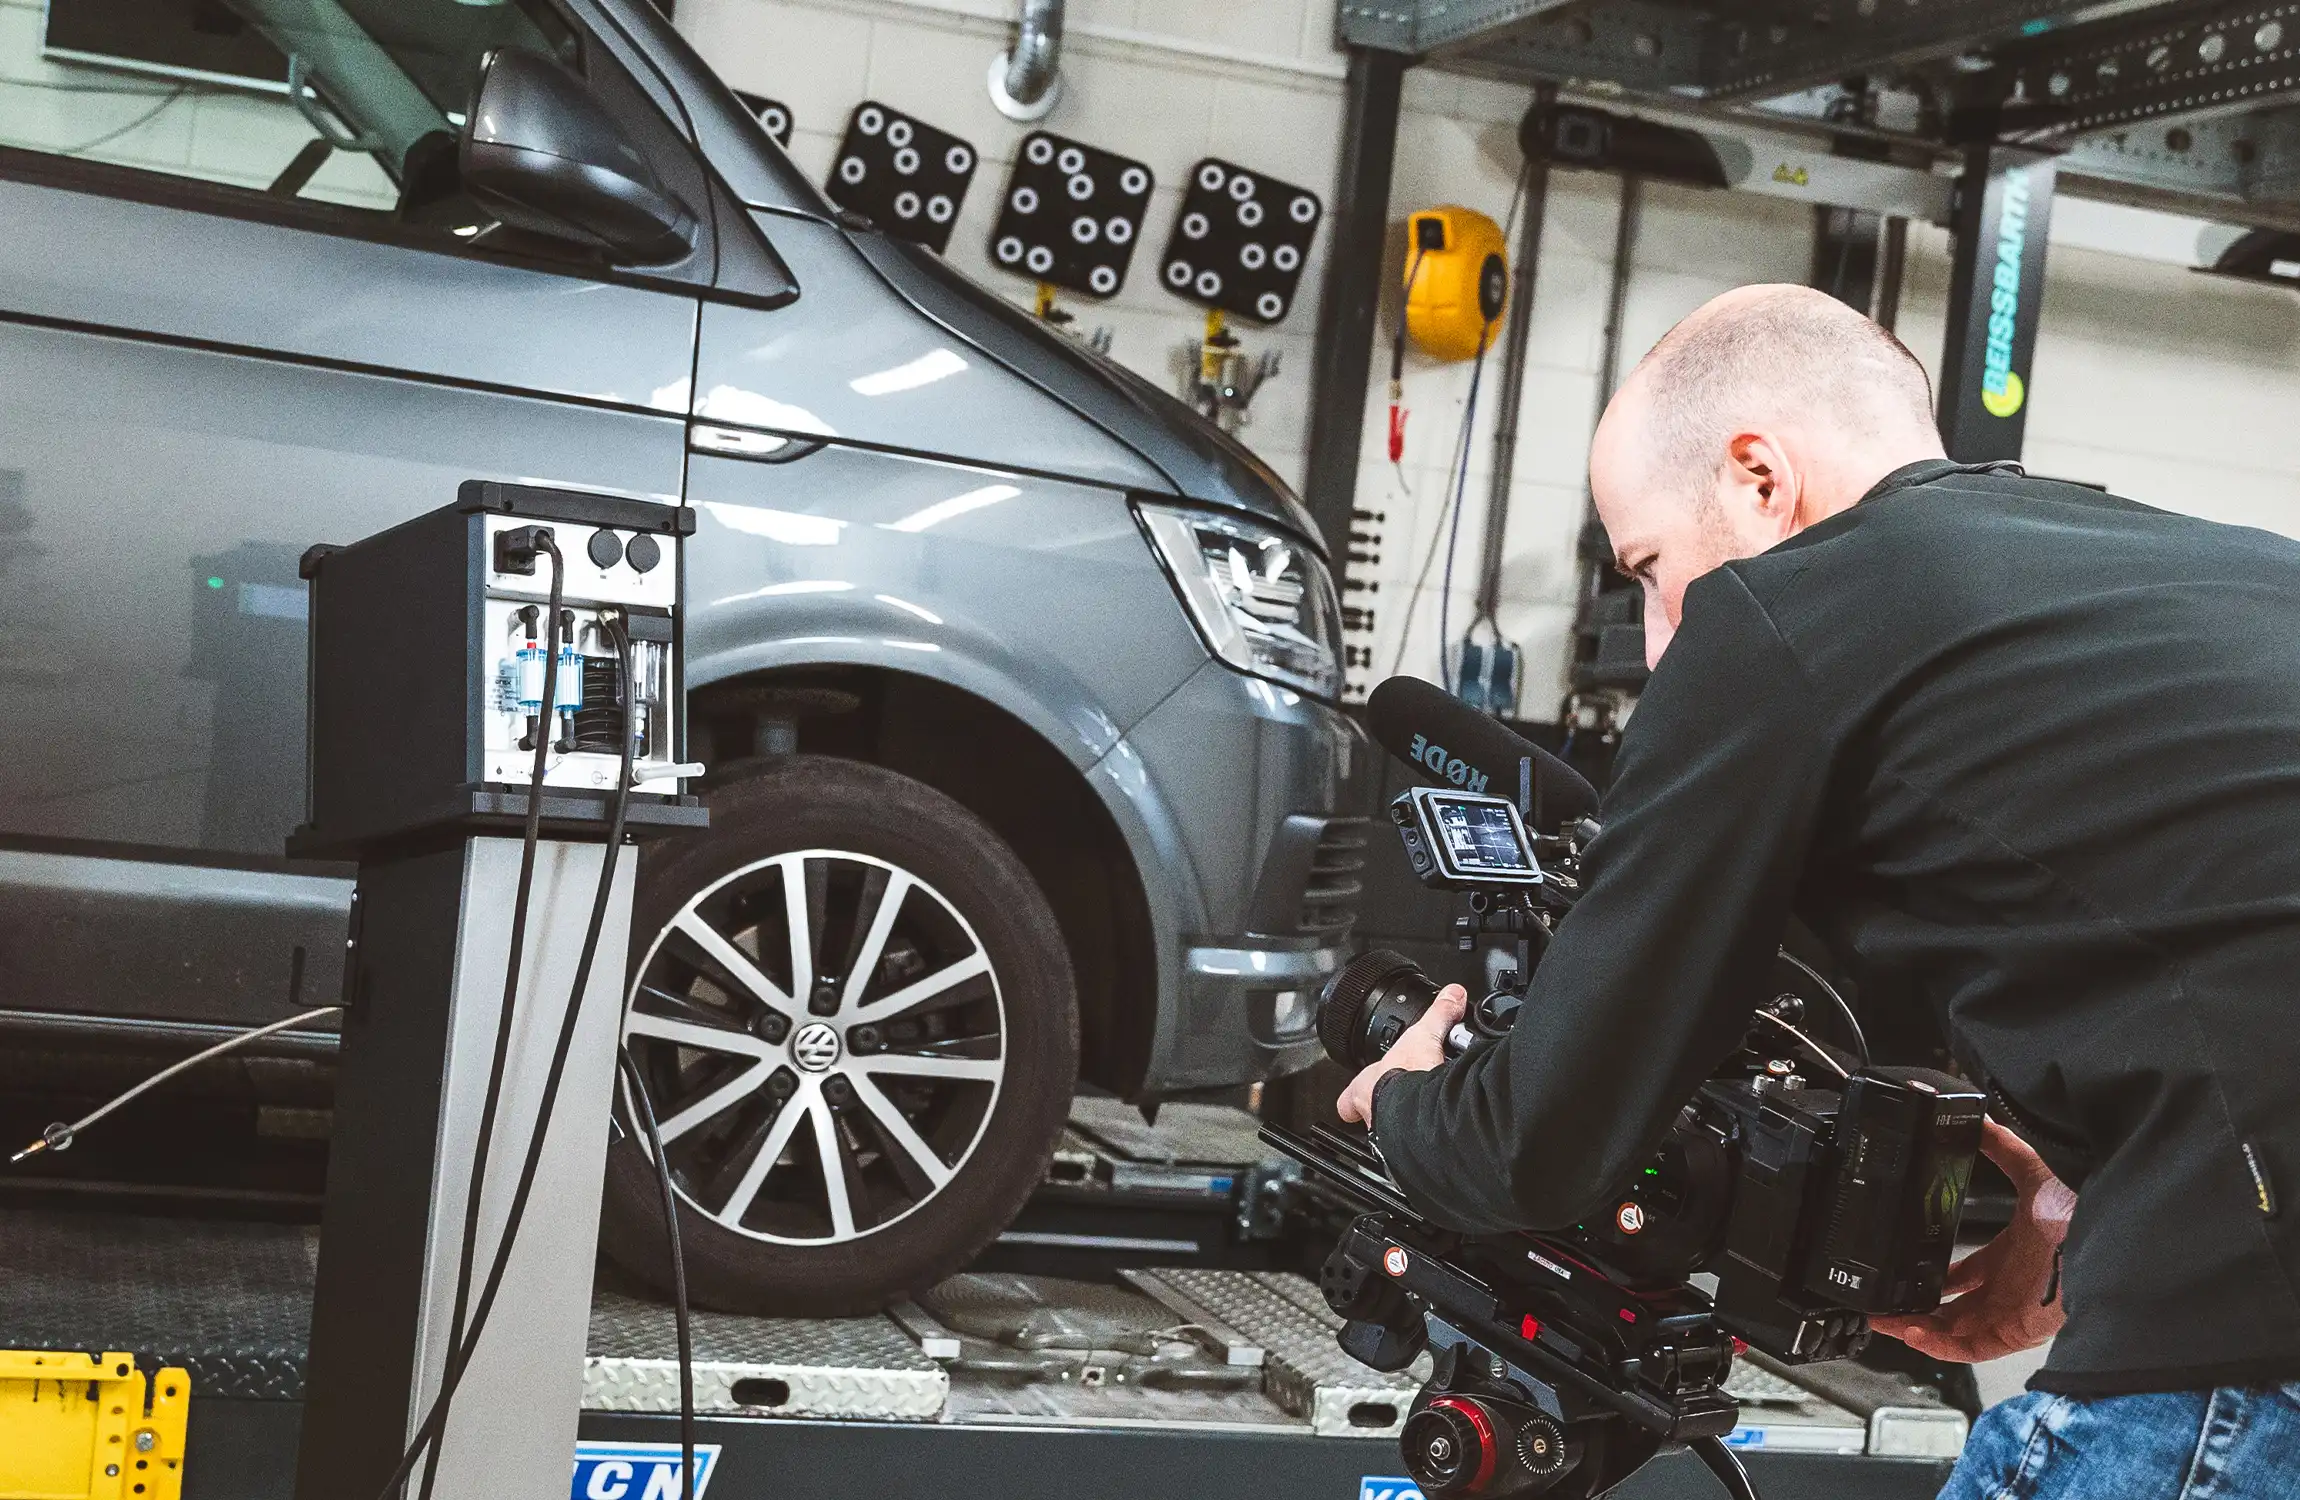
541 153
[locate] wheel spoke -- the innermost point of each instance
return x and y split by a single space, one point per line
715 1103
746 1191
795 905
686 1006
688 1034
922 990
874 944
834 1169
899 1130
848 919
735 962
985 1069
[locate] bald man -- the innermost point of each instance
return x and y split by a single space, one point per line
2028 757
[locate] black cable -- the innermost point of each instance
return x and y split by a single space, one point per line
1460 478
530 836
646 1112
1819 1052
1398 343
1852 1022
629 694
1429 556
1726 1465
459 1358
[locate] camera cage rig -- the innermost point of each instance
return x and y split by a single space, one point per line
1563 1361
1574 1381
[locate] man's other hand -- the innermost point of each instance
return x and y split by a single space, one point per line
1420 1048
2001 1289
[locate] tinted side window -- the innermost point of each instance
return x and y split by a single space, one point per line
353 103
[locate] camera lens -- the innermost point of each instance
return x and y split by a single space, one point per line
1368 1005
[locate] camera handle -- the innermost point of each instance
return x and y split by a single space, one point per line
1726 1465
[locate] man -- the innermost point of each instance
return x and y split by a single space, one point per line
2022 753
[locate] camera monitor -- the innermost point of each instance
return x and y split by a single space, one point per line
1464 840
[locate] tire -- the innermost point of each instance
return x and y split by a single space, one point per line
975 1072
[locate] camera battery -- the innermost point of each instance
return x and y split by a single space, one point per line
1905 1142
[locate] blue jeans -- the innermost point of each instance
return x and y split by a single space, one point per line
2235 1443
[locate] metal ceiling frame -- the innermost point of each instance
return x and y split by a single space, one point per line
2187 105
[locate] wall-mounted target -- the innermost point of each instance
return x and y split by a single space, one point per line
901 173
774 114
1071 215
1240 241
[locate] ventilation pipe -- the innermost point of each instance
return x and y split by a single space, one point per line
1026 80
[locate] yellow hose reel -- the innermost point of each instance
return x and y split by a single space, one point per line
1457 281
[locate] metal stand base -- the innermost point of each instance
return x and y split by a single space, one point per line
433 941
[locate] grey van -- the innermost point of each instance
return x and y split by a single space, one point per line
1016 679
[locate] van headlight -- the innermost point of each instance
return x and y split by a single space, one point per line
1262 600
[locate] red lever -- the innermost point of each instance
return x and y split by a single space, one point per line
1397 432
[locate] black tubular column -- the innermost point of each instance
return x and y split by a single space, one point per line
1996 292
1342 362
1516 335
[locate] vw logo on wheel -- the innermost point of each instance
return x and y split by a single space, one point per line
815 1047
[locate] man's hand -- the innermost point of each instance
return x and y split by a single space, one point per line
2000 1289
1420 1048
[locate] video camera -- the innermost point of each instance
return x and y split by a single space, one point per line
1814 1187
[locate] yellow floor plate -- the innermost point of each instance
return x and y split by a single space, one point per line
79 1427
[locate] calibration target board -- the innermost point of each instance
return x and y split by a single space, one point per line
774 114
1071 215
1240 241
902 174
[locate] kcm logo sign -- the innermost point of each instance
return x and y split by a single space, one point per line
637 1471
2001 388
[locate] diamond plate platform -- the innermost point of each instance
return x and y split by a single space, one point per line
228 1303
231 1304
1304 1370
863 1368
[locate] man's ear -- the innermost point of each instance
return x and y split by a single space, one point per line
1759 464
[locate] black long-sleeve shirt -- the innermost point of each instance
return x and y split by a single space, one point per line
2020 752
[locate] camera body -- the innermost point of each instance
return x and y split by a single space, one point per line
1813 1206
1814 1188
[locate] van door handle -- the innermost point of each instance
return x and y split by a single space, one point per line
743 442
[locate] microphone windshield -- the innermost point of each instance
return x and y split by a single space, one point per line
1446 740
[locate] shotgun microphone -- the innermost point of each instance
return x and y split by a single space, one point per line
1447 740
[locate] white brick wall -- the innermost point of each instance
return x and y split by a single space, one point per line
2168 386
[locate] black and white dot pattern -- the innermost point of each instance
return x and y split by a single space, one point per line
774 114
1071 215
1240 241
901 173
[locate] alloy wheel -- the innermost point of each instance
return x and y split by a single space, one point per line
823 1038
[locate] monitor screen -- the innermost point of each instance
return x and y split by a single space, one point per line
1481 836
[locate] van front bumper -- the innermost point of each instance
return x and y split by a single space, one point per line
1253 794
